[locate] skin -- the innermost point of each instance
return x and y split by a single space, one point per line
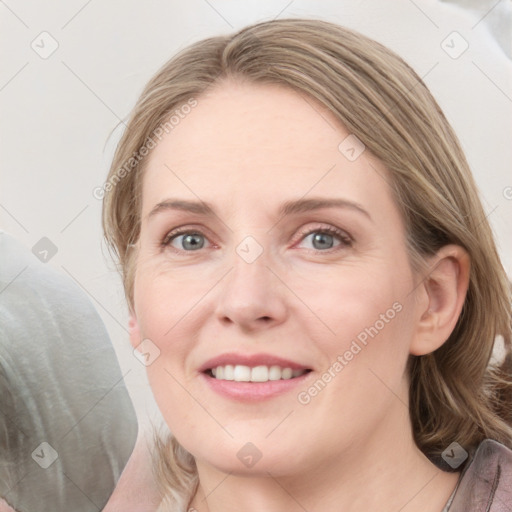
246 149
4 506
136 489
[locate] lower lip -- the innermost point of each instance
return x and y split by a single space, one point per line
253 391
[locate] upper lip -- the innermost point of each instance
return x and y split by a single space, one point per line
251 360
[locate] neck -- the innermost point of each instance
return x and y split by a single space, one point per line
386 472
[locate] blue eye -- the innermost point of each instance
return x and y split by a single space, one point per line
322 239
325 239
190 241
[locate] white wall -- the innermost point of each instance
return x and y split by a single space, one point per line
57 112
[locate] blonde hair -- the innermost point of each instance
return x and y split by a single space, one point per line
455 394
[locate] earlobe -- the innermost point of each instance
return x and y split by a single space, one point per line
444 286
133 326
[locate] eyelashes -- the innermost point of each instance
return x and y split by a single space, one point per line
170 237
344 238
327 233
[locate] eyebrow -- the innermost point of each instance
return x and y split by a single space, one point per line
287 208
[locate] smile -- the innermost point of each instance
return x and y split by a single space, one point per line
262 373
252 377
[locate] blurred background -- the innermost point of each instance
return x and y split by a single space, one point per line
73 70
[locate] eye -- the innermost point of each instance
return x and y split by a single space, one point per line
185 240
325 239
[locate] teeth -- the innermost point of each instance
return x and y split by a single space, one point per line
274 373
259 374
286 373
229 372
241 373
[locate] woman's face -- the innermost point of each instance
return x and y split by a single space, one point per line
270 248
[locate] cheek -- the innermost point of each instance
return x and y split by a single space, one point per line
166 309
165 304
368 315
166 389
352 300
179 408
365 361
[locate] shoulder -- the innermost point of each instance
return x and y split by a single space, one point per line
486 482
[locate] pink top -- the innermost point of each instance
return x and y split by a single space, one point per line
485 484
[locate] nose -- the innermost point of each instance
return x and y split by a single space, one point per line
251 296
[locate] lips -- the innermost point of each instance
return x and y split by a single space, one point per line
256 368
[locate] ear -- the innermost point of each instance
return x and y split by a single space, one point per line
133 326
442 293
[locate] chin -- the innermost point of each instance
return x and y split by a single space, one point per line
246 458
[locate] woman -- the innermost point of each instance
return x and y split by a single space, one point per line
312 280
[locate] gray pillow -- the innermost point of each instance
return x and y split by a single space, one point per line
67 425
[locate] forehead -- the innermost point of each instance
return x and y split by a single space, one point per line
252 142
